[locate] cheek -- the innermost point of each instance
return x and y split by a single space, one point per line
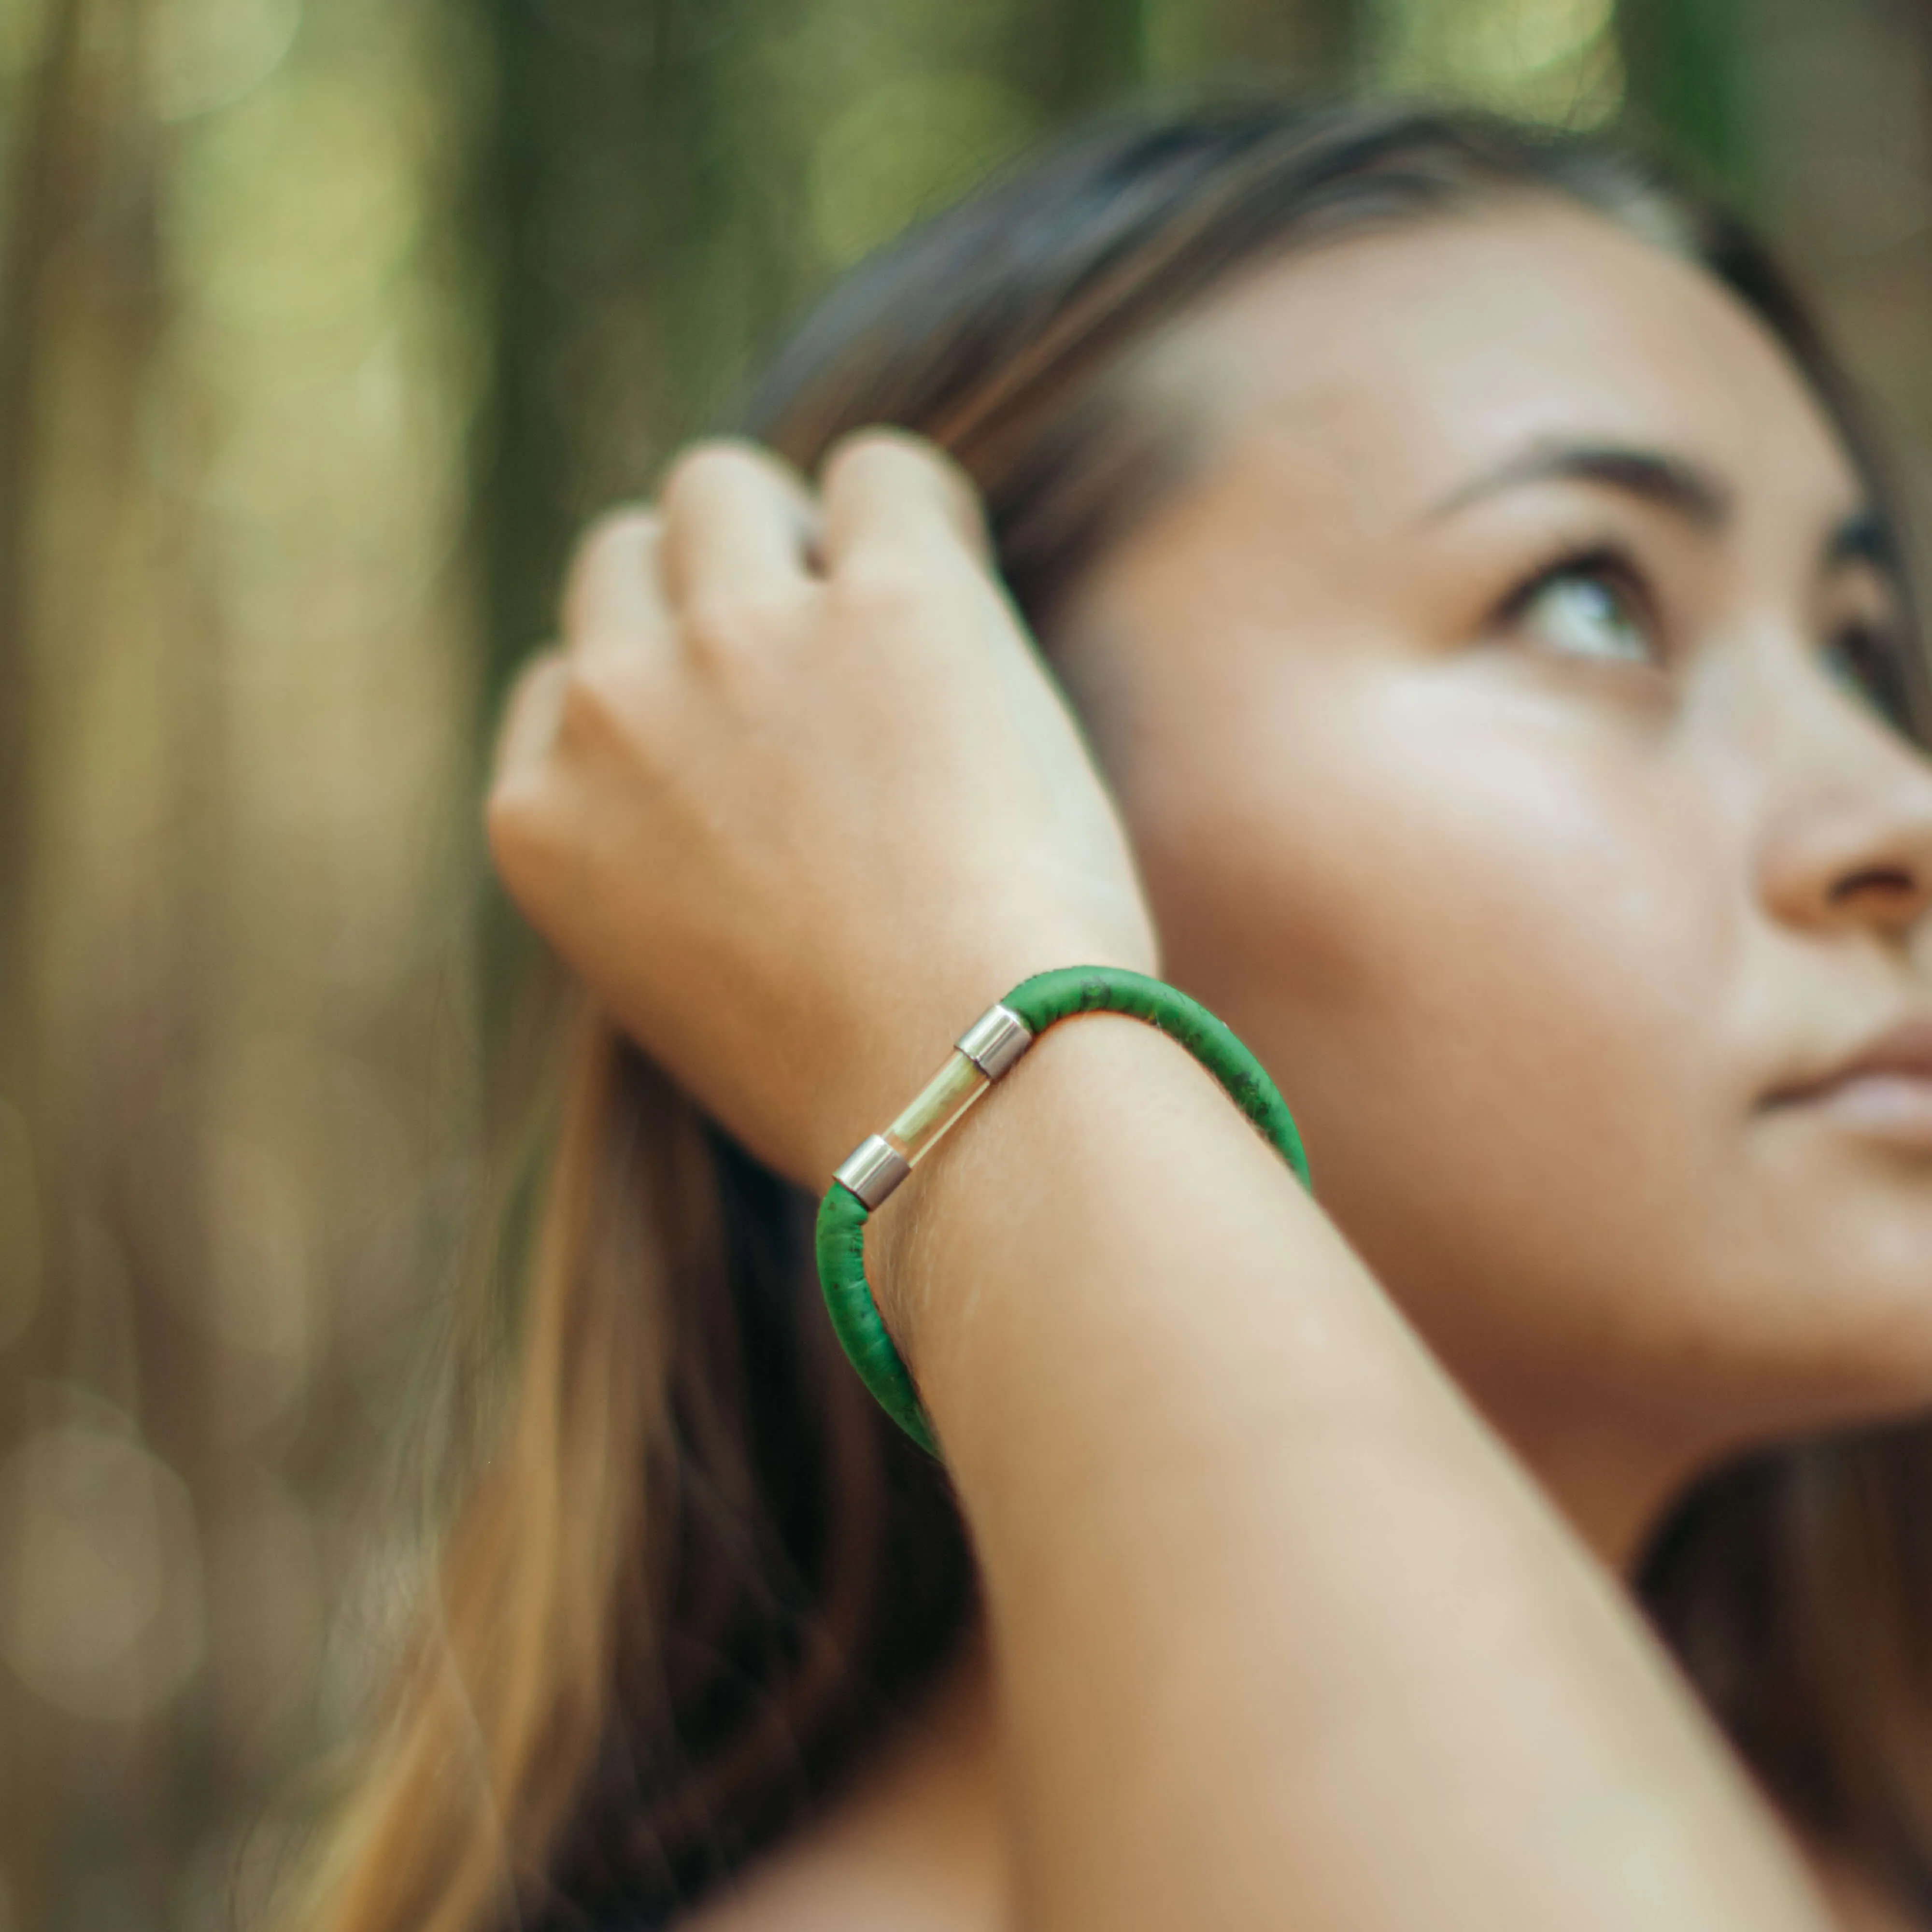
1487 956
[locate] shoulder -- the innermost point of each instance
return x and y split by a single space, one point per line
918 1846
838 1887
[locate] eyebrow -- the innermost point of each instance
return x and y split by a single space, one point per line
1678 483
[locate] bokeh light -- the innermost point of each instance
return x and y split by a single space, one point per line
103 1615
1554 60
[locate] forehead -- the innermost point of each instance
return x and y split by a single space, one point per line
1398 360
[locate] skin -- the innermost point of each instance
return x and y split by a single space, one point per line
1446 872
1540 901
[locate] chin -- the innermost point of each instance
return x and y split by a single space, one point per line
1870 1365
1825 1314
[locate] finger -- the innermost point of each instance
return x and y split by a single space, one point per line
887 487
738 522
614 597
530 716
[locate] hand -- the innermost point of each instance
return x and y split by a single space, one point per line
796 798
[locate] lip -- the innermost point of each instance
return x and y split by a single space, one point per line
1883 1089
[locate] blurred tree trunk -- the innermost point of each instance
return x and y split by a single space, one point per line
1313 44
104 1001
48 178
611 220
1088 51
48 171
602 203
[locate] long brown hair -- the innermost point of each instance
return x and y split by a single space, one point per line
699 1573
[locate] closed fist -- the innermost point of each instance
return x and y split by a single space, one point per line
795 797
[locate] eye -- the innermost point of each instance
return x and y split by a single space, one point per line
1868 660
1586 607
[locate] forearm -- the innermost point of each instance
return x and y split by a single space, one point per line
1284 1635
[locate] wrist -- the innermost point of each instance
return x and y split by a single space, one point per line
1030 1165
903 1035
992 1046
996 1163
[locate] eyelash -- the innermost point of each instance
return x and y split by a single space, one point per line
1875 655
1873 651
1608 561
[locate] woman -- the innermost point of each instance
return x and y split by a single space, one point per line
1468 574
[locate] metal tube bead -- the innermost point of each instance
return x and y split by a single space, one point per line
873 1169
995 1040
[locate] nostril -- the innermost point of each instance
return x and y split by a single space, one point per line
1886 882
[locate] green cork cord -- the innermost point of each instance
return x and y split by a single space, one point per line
1040 1002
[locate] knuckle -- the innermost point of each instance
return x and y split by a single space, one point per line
621 524
893 450
614 537
516 825
958 483
884 446
601 703
523 733
883 590
698 464
536 675
727 626
883 457
717 625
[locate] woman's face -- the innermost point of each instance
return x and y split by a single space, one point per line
1486 713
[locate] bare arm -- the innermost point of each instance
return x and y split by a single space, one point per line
1283 1636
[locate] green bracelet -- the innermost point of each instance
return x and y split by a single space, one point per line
985 1050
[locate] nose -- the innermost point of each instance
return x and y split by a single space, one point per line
1848 842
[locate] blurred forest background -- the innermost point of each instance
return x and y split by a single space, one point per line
323 323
